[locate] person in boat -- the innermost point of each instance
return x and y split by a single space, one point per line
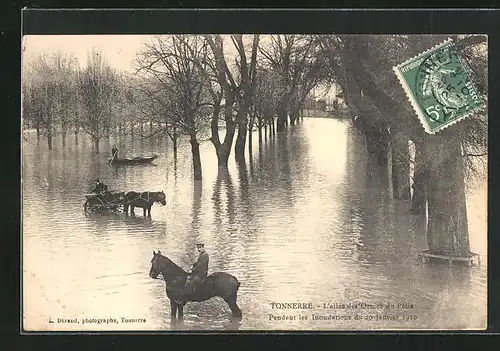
114 153
197 273
99 188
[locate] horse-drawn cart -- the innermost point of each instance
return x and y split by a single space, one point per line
105 201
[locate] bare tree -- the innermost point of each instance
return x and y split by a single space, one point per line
32 105
267 99
245 98
230 92
295 60
48 92
363 65
97 87
65 80
45 94
180 90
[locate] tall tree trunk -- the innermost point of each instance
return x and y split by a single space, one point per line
96 145
294 113
222 150
132 130
49 140
77 130
376 144
260 132
50 128
420 174
282 117
223 156
195 150
401 167
64 137
174 137
38 133
241 138
120 129
250 141
49 134
150 127
447 223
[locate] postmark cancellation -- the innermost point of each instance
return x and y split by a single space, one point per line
439 87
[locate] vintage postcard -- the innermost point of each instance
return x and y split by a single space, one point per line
254 182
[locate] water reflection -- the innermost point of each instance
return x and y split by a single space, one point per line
306 218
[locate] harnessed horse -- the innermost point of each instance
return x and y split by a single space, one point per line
144 200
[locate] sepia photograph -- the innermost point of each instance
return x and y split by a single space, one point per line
254 182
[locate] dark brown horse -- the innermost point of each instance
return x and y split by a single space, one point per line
219 284
143 200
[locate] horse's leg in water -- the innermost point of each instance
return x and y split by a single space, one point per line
125 209
144 212
149 211
231 301
180 311
173 308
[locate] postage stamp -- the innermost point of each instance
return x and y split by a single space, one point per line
439 87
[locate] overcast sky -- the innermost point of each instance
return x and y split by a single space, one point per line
119 50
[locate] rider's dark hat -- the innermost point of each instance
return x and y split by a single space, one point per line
200 245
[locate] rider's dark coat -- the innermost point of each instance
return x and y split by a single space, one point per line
99 187
200 267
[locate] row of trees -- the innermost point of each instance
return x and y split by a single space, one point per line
198 83
444 161
184 84
56 92
225 86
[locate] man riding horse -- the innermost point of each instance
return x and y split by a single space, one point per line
196 275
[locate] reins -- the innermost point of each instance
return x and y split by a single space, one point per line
140 197
171 279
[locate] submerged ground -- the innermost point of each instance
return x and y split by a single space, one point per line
307 219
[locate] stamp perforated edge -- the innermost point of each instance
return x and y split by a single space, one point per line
413 102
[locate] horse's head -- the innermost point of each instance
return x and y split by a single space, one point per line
160 197
155 265
168 269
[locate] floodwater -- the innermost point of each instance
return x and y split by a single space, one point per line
307 220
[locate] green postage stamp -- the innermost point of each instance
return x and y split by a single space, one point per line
439 87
